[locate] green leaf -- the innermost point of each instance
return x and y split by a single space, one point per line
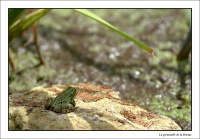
100 20
21 24
14 14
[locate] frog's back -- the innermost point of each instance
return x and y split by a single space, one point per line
66 95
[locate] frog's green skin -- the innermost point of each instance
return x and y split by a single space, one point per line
64 102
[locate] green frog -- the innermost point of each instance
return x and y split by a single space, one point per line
64 102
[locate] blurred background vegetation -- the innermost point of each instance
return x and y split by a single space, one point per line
76 49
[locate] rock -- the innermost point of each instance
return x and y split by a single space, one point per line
97 108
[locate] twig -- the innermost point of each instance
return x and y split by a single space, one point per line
11 60
34 28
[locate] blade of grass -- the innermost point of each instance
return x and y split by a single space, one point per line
14 14
21 24
105 23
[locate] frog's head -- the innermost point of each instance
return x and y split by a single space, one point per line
73 91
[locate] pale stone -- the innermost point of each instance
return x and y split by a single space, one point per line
97 108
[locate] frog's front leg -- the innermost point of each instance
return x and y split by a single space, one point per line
57 108
67 108
72 101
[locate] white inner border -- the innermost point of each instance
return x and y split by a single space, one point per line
98 4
